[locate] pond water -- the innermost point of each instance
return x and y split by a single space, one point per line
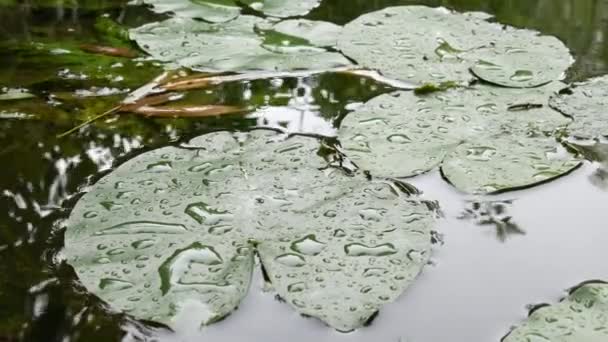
499 254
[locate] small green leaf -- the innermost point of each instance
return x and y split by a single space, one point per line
318 33
217 11
429 88
581 317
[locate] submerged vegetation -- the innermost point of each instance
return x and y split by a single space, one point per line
351 106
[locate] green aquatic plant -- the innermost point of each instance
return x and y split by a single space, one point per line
581 317
177 229
432 45
586 103
429 88
112 31
244 44
218 11
472 134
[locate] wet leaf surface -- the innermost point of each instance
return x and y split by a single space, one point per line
480 145
175 229
318 33
218 11
582 316
586 102
283 8
236 46
434 45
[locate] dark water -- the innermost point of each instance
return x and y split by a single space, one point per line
499 256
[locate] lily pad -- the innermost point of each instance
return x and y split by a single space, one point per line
283 8
237 46
225 10
318 33
176 229
485 138
585 102
433 45
581 317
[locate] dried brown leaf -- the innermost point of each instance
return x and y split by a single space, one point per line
154 100
186 111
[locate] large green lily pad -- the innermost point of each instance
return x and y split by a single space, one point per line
581 317
585 102
433 45
176 229
244 44
485 138
225 10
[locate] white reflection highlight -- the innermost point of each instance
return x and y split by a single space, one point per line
293 120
